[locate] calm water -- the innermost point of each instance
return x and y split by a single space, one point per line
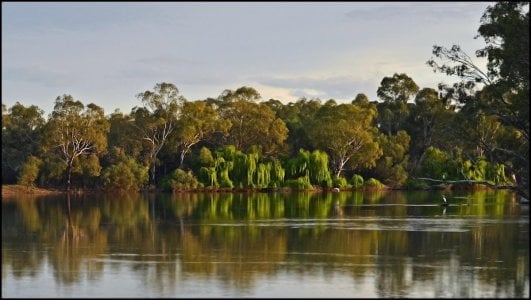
383 244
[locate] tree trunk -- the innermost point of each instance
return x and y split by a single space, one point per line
69 175
183 153
152 171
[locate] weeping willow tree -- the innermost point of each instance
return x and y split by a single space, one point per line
208 176
245 166
319 172
312 164
277 174
310 167
298 166
223 168
263 175
229 168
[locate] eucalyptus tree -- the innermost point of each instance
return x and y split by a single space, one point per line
346 132
504 85
157 119
426 122
251 123
391 167
124 141
395 92
197 123
74 130
361 100
297 116
21 138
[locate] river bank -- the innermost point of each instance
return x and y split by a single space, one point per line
14 190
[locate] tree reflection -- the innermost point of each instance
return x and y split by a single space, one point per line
402 240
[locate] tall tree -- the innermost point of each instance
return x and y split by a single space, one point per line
425 122
347 134
198 121
157 119
252 123
74 130
395 92
21 138
504 86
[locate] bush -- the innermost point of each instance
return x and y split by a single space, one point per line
301 183
179 180
357 181
30 171
413 184
373 183
340 182
125 175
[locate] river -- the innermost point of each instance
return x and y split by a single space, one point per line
267 245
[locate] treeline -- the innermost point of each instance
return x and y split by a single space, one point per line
477 129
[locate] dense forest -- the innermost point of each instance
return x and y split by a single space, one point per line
476 130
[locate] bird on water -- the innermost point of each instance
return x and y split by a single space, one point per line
445 203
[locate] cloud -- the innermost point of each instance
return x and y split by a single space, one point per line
341 88
418 12
37 76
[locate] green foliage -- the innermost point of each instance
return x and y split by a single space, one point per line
318 167
263 175
373 183
251 123
179 180
208 176
300 183
21 137
314 165
434 164
205 158
357 181
482 170
30 171
223 168
125 175
347 132
277 174
391 167
413 184
340 182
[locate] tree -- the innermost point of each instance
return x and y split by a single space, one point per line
21 138
124 136
297 117
74 130
503 89
391 166
252 123
347 133
198 121
426 123
157 119
395 92
30 171
126 174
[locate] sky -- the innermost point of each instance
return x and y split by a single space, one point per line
106 53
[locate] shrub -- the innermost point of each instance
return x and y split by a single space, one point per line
357 181
179 180
413 184
125 175
30 171
301 183
340 182
373 183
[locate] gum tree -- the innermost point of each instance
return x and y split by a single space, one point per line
74 130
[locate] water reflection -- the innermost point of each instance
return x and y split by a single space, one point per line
387 244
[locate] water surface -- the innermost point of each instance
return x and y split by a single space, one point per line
347 244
